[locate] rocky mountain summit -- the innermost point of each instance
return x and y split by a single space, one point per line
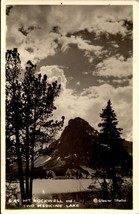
74 147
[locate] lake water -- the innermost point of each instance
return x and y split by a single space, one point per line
46 186
49 186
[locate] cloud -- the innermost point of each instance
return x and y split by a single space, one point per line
116 81
122 81
106 19
26 30
36 49
90 102
54 73
56 21
39 48
109 27
116 67
113 44
81 44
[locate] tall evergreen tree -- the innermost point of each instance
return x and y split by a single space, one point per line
110 150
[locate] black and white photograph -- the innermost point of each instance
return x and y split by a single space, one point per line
69 106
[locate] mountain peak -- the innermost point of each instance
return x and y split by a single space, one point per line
76 119
80 124
77 138
75 146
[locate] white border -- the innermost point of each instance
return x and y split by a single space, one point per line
135 103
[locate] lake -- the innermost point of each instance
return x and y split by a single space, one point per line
47 186
51 186
74 192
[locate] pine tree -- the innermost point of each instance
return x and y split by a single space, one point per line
13 113
29 123
110 149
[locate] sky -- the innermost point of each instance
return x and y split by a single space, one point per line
86 48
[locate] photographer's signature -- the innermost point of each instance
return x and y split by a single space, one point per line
98 200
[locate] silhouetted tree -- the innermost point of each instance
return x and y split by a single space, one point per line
29 123
14 111
109 150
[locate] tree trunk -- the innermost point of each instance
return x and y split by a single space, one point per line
31 174
20 166
32 159
114 183
32 151
27 165
104 186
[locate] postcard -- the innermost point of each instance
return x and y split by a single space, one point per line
69 106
